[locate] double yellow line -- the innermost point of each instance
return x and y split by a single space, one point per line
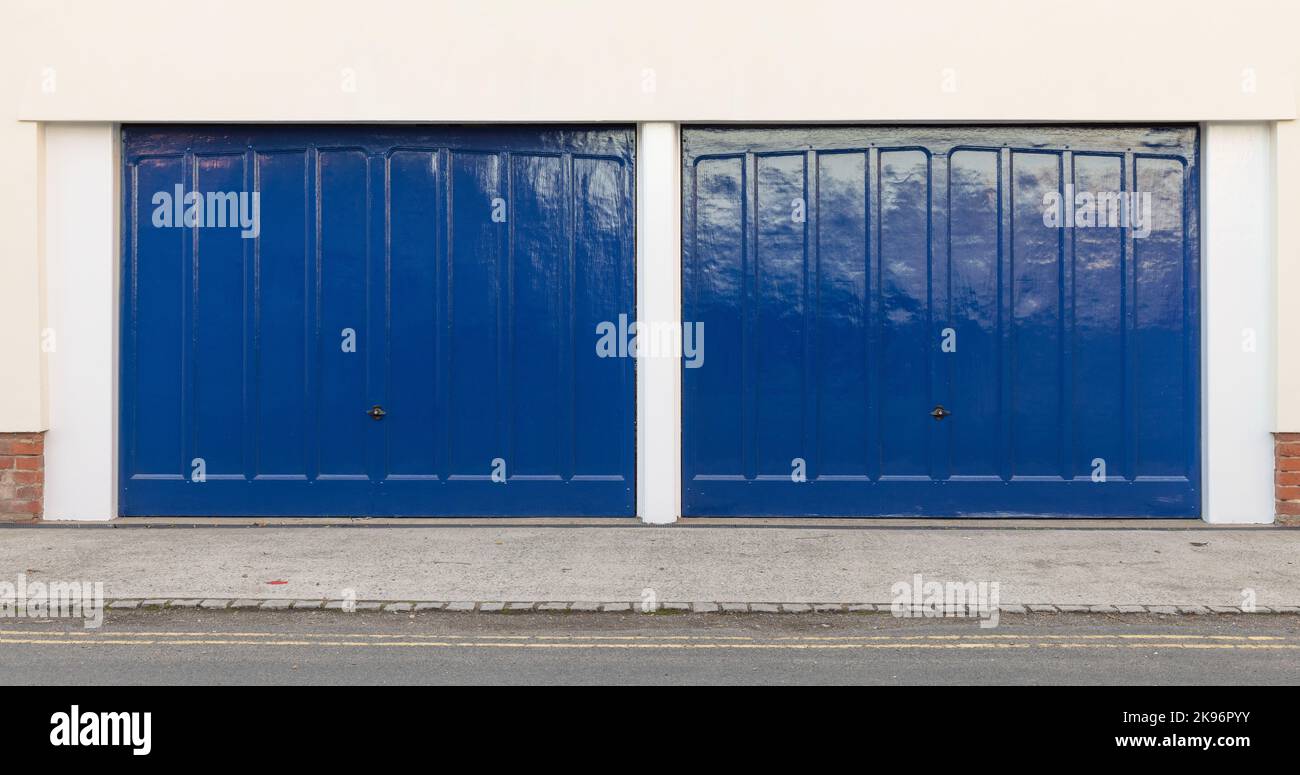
987 641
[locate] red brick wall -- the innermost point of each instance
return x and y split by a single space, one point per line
1286 477
22 476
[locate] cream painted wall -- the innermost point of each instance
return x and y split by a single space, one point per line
22 370
595 60
1286 278
22 367
670 60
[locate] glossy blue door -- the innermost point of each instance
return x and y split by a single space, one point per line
408 329
942 321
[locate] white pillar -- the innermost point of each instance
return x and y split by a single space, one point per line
1237 374
658 300
82 212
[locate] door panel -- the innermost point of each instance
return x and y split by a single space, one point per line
716 284
778 348
282 271
154 335
342 258
475 314
539 288
1036 322
843 427
903 312
928 277
601 224
1160 325
417 223
974 272
1099 316
452 276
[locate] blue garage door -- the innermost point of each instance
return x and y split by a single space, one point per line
405 328
942 321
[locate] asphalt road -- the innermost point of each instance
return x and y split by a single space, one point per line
334 648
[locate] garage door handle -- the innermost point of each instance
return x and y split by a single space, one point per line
376 412
939 412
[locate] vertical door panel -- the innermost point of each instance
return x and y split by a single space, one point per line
903 364
218 323
1160 294
475 408
154 340
1099 270
540 325
780 299
340 282
715 284
973 315
600 285
843 426
415 231
281 320
1035 317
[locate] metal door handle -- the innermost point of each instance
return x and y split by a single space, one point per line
939 412
376 412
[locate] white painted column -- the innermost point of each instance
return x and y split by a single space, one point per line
1237 273
658 300
82 261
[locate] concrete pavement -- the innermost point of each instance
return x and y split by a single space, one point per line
824 562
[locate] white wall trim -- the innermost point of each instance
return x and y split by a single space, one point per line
82 263
1237 272
658 300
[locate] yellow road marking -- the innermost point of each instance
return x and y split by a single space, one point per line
592 644
1013 636
661 638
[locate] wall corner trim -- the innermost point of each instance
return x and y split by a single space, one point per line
659 301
